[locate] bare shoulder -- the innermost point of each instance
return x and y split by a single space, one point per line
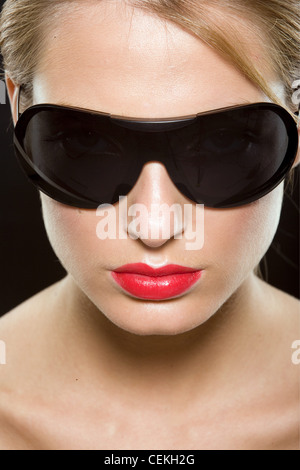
21 337
29 306
281 305
23 323
282 320
282 366
22 330
21 327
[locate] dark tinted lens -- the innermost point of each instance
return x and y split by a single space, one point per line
231 157
222 159
83 156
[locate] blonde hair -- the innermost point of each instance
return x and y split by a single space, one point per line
275 24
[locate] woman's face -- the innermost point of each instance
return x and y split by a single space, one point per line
110 58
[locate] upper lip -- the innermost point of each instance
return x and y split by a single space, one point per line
146 270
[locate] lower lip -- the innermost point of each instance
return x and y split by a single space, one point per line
156 288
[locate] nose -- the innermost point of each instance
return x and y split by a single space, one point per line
155 207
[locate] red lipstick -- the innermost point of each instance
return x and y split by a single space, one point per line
144 282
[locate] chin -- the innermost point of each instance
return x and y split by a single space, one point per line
169 318
156 330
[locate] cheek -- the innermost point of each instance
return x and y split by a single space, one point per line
72 233
240 237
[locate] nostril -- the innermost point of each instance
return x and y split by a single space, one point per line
157 224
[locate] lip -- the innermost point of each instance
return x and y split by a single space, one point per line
144 282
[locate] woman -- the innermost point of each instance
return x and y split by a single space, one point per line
149 342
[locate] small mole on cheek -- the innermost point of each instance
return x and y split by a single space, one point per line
79 211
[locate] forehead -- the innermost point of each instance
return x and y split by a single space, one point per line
111 57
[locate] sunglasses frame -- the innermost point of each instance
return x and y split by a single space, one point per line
149 125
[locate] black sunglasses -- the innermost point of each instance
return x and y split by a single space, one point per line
222 158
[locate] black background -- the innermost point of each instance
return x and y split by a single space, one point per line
28 263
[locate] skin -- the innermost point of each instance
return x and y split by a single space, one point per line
90 367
